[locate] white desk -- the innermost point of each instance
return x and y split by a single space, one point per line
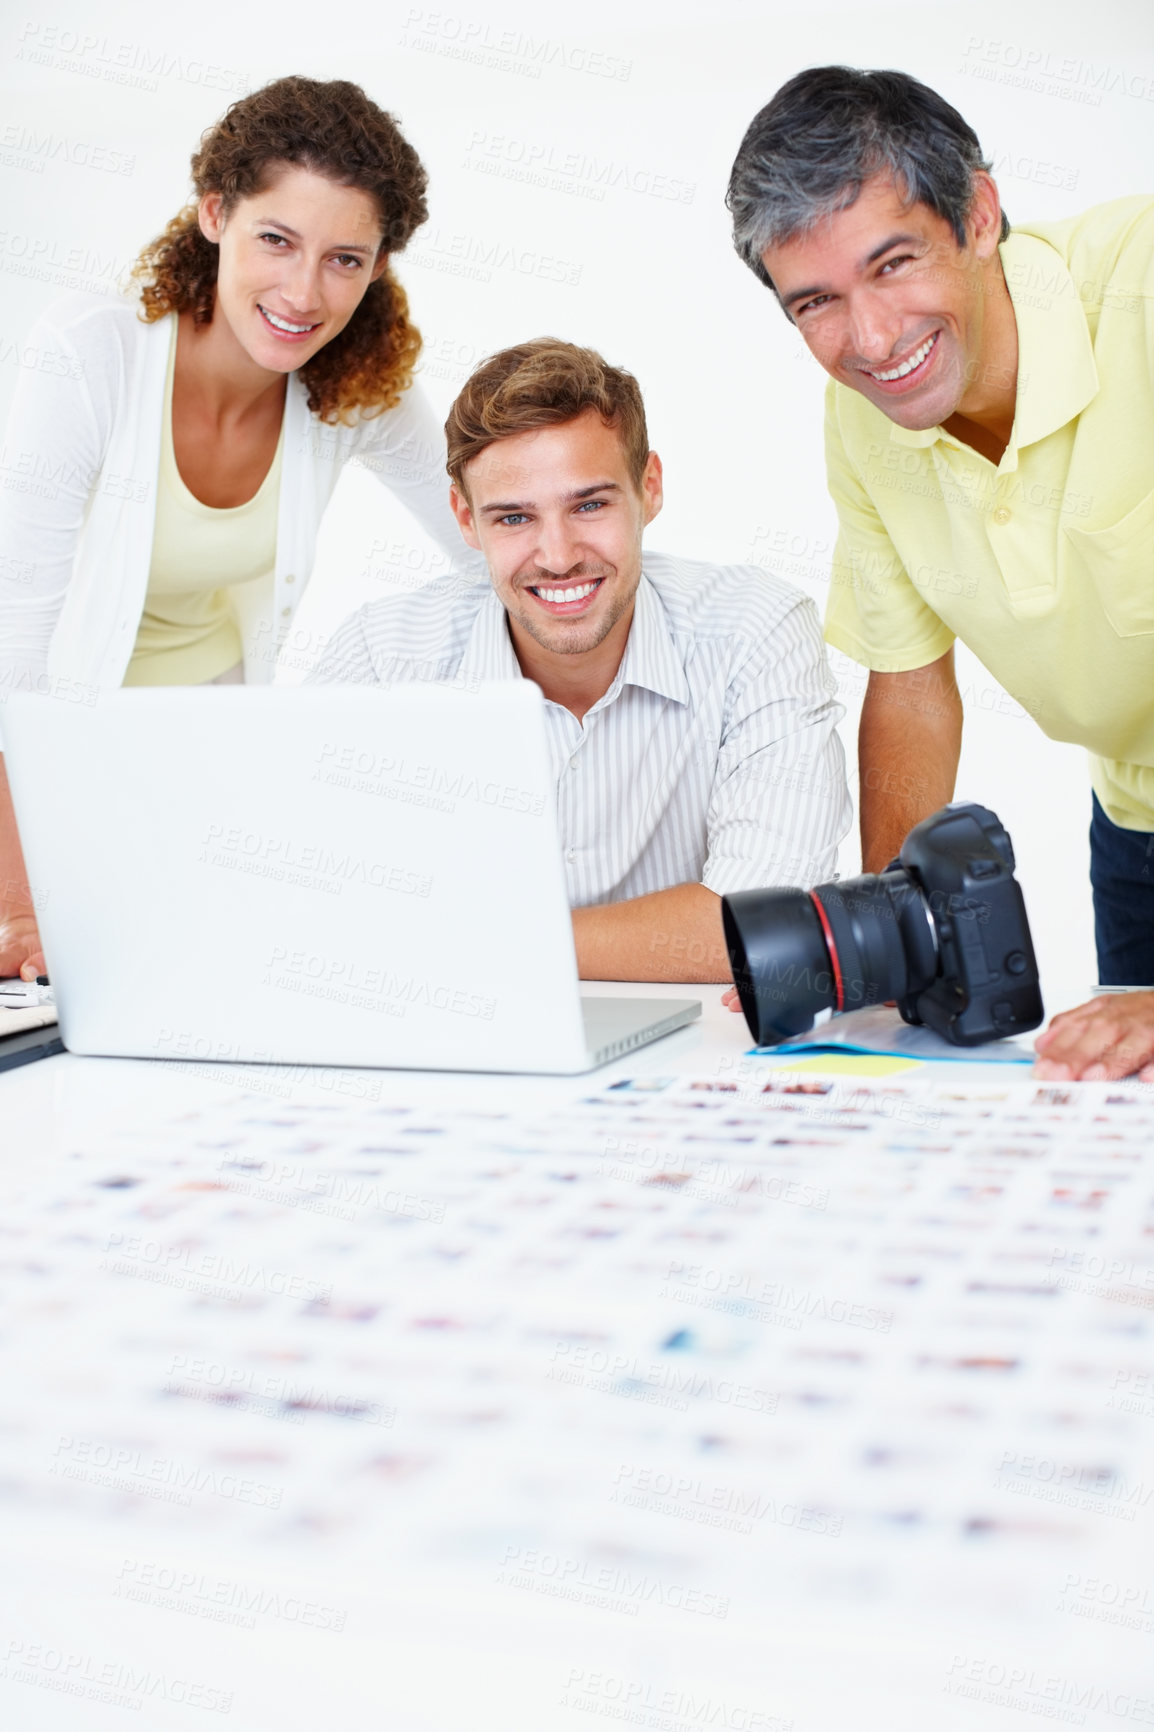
40 1099
618 1499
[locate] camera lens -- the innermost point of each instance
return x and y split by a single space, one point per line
838 947
881 933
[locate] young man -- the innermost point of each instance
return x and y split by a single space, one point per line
989 436
690 709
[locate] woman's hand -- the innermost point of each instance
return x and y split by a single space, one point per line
730 999
20 950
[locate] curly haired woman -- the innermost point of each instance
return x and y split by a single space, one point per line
176 450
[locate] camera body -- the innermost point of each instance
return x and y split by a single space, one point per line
943 931
986 985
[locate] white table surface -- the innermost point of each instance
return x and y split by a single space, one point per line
45 1103
446 1647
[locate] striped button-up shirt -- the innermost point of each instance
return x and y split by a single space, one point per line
711 759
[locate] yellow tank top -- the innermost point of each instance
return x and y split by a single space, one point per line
188 634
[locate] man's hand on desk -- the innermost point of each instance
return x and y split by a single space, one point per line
1103 1041
20 952
670 935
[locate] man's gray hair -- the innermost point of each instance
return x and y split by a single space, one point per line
814 145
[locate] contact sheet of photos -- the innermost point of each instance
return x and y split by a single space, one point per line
692 1353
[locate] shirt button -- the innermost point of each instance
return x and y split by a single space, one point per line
1002 514
286 612
570 853
290 577
572 763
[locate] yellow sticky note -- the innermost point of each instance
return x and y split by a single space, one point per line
855 1064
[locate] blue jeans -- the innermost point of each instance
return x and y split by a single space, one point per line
1122 877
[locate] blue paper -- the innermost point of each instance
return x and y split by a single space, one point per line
880 1029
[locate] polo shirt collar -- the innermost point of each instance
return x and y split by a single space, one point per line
650 660
1057 376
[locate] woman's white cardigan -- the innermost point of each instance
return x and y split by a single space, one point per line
78 479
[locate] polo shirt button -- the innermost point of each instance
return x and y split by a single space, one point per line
1002 514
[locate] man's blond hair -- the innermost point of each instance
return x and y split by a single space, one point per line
544 384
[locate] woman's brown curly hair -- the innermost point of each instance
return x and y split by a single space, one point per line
332 129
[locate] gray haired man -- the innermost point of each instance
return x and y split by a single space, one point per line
989 435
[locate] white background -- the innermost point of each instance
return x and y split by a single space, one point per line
631 116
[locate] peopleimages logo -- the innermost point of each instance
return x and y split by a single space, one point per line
1046 1694
477 43
419 783
23 147
305 865
775 1301
537 163
1085 1486
476 257
661 1383
1107 1602
689 1498
298 1185
220 1599
344 981
175 1265
137 64
1117 1278
117 1683
663 1707
612 1587
119 1467
1037 67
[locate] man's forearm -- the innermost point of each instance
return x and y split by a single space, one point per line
909 742
670 935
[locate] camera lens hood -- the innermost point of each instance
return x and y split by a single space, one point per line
780 962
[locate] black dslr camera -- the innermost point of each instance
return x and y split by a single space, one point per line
942 930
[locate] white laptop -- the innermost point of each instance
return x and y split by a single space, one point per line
331 875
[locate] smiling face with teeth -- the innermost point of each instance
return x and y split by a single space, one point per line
559 520
891 306
295 261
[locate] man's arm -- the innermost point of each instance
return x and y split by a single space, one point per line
909 741
669 935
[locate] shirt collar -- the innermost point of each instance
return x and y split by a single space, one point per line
489 653
650 660
1056 372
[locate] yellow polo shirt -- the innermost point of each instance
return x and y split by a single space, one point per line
1044 564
